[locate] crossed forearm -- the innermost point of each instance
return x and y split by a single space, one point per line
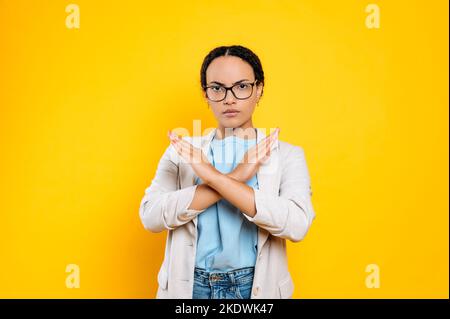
225 186
204 197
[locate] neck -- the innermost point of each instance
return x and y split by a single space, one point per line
246 130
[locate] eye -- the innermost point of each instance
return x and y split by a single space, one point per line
243 86
216 88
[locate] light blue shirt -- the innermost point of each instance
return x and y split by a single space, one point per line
226 239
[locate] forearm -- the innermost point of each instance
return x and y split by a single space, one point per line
206 196
238 193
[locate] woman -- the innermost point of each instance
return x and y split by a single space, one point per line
231 198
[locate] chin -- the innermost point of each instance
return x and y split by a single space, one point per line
231 123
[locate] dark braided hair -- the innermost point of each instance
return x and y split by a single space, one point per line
235 50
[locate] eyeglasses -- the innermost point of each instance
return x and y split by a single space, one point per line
241 91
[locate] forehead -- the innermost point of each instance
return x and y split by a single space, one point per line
228 70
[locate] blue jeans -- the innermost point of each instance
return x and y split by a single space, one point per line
236 284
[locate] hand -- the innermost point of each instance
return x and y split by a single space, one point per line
254 157
193 156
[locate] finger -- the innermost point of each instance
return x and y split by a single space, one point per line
266 139
182 149
188 147
192 149
274 136
188 153
271 136
172 137
273 140
267 144
176 141
176 147
185 155
183 144
267 150
263 143
266 156
181 141
169 135
189 150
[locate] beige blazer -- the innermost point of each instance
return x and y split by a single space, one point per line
283 211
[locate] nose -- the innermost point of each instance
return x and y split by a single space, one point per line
229 97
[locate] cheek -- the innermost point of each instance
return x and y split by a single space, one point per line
249 106
216 109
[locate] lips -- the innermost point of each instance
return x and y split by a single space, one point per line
230 113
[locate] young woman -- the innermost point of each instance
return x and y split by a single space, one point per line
231 198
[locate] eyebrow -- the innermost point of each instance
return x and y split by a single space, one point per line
232 84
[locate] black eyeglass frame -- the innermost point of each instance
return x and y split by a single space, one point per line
231 89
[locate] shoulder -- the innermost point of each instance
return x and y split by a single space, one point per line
292 160
288 150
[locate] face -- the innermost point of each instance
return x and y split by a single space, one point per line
227 71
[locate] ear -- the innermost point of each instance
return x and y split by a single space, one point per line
205 99
259 90
203 92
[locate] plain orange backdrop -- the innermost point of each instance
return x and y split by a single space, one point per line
84 115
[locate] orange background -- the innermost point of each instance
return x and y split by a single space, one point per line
84 116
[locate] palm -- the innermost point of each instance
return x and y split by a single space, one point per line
193 156
256 156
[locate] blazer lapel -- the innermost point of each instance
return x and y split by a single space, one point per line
267 176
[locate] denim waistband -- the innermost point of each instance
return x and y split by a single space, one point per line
237 276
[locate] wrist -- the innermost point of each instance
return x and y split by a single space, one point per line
212 175
237 173
234 175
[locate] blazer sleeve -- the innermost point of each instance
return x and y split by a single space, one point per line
165 206
290 214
